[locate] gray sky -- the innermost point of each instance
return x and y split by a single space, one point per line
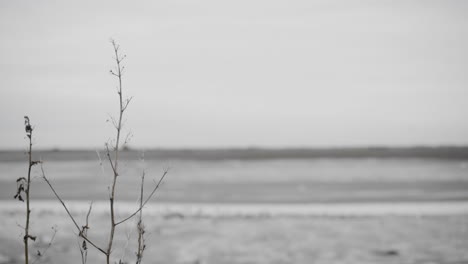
213 73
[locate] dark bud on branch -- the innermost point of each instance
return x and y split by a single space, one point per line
35 162
27 126
20 183
19 197
33 238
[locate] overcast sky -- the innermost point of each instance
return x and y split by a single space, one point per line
213 73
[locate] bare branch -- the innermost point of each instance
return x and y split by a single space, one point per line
99 157
126 103
113 121
110 160
128 137
83 247
80 233
113 73
146 201
86 226
120 59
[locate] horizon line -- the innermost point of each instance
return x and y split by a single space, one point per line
269 148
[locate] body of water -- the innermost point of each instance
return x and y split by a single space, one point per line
323 180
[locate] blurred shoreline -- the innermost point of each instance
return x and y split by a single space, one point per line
439 152
254 175
254 210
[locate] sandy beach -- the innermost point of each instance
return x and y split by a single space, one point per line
177 238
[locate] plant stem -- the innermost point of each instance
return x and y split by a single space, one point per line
28 210
118 127
140 227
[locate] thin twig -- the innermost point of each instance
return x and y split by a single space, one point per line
83 247
42 254
100 162
80 233
114 170
146 201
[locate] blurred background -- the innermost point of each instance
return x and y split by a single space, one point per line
295 131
